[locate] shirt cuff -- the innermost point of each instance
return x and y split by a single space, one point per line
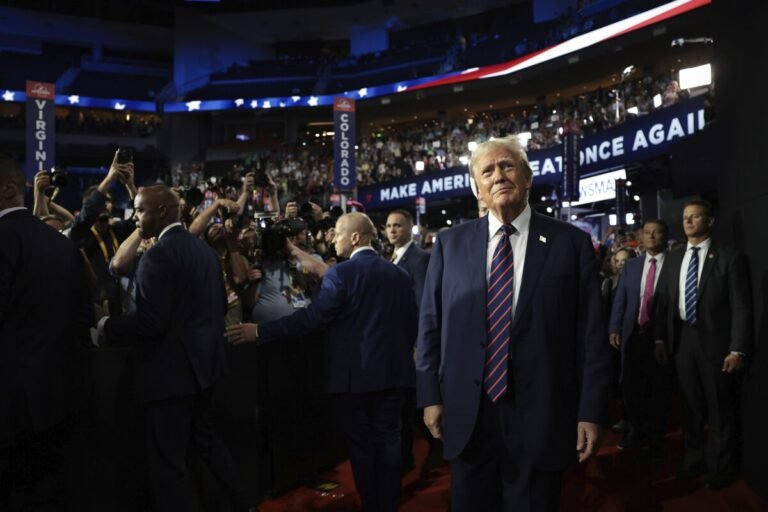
740 354
100 330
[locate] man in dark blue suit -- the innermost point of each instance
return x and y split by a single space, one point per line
512 366
646 378
45 316
408 256
368 308
178 330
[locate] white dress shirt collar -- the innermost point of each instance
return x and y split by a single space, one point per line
400 251
703 246
521 223
360 249
168 228
5 212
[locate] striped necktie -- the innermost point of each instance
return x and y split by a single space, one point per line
691 286
501 288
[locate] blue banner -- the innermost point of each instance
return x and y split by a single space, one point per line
633 141
41 125
344 177
570 172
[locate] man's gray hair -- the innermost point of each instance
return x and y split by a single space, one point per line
510 143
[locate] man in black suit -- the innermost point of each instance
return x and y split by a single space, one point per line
407 255
369 312
705 319
45 315
178 329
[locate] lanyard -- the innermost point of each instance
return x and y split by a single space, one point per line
102 245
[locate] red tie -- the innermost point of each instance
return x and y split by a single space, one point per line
645 307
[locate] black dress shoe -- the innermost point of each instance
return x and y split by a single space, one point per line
691 472
719 480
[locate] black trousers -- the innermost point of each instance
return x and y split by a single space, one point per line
491 473
36 468
371 424
709 396
646 387
173 426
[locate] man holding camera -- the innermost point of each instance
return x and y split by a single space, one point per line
100 238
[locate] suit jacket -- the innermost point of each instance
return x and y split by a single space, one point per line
369 309
415 261
45 316
626 302
560 364
723 307
178 325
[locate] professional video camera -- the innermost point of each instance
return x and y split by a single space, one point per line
274 233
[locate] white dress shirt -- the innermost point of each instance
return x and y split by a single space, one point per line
398 254
646 266
519 242
361 249
703 250
5 212
168 228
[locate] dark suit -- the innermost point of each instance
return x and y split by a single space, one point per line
368 309
724 324
178 329
559 362
646 385
415 262
45 314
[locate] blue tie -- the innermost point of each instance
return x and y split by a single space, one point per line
501 288
691 286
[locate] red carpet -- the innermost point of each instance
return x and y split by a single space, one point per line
614 482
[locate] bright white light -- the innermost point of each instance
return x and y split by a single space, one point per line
193 105
543 198
472 146
524 137
312 101
549 209
469 70
415 230
363 92
630 218
74 99
449 222
636 198
295 99
8 95
239 102
282 104
254 104
628 70
599 188
401 88
560 130
266 104
420 165
612 219
119 106
566 204
574 217
695 77
629 183
443 212
633 110
657 101
492 138
464 160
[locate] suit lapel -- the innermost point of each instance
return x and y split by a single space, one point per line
477 251
709 263
535 257
402 261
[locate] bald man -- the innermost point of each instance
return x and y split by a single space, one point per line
368 308
178 330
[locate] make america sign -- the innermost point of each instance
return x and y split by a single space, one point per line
633 141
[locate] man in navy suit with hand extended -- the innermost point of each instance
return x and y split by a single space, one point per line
512 368
368 309
178 330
